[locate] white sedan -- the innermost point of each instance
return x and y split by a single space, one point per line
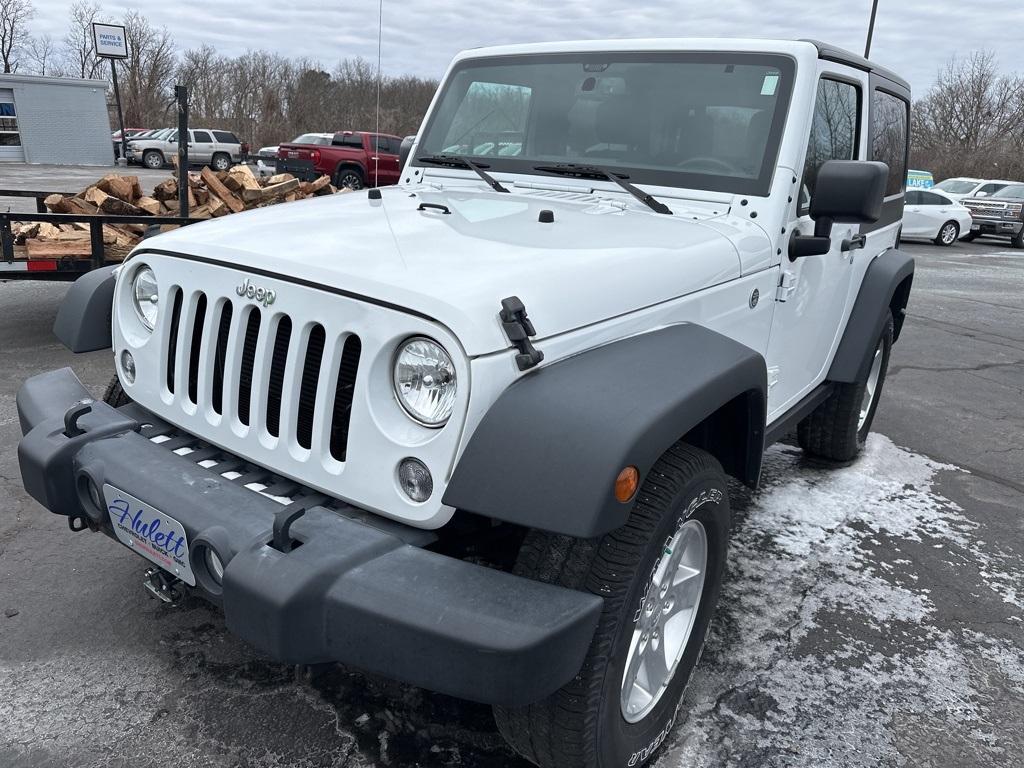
929 214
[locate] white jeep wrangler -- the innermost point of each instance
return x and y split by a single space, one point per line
475 431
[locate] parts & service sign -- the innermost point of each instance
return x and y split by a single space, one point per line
110 41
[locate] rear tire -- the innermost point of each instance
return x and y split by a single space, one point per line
970 237
114 395
682 507
220 162
837 429
348 178
948 234
1017 241
152 159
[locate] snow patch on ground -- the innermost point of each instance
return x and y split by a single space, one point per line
824 654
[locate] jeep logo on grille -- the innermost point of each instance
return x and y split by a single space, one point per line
251 291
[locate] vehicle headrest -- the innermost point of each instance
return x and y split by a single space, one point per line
622 120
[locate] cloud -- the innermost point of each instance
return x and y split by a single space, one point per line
913 37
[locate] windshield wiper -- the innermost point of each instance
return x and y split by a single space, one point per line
458 161
597 172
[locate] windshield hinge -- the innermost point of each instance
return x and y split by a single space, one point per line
519 329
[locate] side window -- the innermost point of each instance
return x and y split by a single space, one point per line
201 137
990 189
350 140
889 137
225 137
913 197
833 131
927 198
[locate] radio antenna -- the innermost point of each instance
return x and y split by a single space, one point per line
376 137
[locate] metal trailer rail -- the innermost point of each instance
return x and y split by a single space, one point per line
39 196
65 268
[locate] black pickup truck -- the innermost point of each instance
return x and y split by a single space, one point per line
1002 215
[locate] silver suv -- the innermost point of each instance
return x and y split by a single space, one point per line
218 149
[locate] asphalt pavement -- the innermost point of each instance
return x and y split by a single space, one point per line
872 614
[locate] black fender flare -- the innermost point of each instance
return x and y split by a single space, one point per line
547 453
886 286
355 165
83 321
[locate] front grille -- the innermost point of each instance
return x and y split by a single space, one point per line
264 369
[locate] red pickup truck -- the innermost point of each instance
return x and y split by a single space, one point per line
352 159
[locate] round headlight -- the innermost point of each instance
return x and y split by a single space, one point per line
424 379
144 296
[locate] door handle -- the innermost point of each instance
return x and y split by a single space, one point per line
855 242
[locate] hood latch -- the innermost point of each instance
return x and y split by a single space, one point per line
519 329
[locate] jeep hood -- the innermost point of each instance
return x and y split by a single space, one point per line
598 259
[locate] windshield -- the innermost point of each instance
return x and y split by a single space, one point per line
956 186
1016 191
700 120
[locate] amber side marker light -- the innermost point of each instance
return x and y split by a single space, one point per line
626 484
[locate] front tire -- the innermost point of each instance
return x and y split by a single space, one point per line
1017 241
114 395
837 429
948 234
153 159
659 575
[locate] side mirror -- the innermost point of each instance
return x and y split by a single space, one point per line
981 194
405 150
849 191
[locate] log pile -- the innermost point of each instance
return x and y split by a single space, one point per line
210 194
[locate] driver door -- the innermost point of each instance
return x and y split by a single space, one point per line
814 290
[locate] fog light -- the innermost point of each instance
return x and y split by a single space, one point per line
128 366
214 565
415 479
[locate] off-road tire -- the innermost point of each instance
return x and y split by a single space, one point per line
220 162
831 430
349 178
1017 241
115 395
153 159
944 239
581 725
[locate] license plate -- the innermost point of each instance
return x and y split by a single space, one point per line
152 534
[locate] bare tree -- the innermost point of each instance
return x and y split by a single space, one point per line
41 55
147 75
14 34
970 122
79 47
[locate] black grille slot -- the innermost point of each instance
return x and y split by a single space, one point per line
276 381
343 396
172 351
220 357
307 392
197 345
252 335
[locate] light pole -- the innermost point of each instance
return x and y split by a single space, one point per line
871 29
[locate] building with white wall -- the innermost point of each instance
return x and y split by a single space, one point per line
54 120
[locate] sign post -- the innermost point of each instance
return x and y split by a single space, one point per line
111 43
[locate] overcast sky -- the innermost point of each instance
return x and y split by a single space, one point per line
913 37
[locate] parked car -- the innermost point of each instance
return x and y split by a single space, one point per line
351 158
1000 215
475 431
934 215
960 187
216 148
128 134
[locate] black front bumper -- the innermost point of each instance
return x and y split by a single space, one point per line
1005 227
355 591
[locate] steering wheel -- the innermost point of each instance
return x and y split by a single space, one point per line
708 164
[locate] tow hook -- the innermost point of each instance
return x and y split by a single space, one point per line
163 586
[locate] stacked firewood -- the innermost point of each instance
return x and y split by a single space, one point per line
210 194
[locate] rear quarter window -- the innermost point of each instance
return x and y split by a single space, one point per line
225 137
889 118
